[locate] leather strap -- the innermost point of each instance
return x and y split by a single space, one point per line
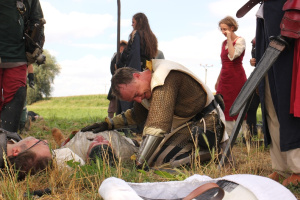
204 188
205 110
198 191
245 8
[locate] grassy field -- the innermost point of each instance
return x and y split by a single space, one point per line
73 113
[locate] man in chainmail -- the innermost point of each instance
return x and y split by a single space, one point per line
179 111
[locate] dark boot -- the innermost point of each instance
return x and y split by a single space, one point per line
11 112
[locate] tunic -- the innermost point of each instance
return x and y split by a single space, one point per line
232 79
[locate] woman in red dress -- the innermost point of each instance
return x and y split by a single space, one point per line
232 76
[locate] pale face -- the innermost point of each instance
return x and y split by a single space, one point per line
137 90
225 29
133 23
41 148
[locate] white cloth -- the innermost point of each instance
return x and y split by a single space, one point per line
64 155
258 187
260 12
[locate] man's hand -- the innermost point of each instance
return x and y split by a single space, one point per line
96 128
31 80
252 61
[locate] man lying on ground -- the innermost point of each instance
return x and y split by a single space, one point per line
88 145
33 155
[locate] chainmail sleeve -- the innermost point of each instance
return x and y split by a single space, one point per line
139 113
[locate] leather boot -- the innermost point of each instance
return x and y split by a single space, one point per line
293 179
275 176
12 111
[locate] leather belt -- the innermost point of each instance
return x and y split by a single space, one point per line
245 8
205 111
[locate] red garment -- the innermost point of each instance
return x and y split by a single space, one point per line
11 79
232 79
295 90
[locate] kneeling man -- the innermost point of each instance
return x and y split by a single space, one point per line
180 113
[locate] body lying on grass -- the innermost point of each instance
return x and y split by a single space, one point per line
86 146
31 155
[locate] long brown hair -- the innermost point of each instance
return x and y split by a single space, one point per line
142 25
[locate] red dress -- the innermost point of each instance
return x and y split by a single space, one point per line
232 79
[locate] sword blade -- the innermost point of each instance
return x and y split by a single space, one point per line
276 46
235 132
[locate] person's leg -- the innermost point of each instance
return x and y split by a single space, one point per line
23 119
13 79
251 115
112 107
278 158
14 96
229 127
293 161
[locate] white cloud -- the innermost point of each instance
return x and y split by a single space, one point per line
74 25
95 46
87 75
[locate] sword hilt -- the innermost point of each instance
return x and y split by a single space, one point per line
279 42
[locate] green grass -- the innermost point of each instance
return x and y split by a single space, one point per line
75 107
73 113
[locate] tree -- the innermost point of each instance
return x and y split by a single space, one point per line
43 76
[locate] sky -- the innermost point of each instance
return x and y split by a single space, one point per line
82 36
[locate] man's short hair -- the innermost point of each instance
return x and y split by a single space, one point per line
27 161
123 75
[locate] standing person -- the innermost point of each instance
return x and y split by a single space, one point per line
232 76
178 109
281 126
112 107
142 46
16 17
251 113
